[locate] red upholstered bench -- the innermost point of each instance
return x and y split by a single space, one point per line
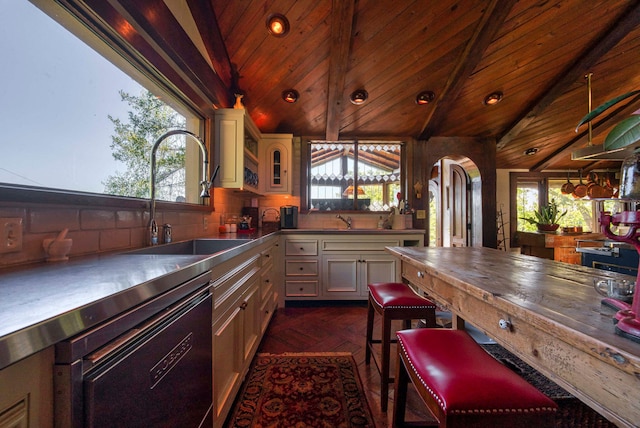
464 386
393 301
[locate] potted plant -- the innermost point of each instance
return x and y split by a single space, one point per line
546 218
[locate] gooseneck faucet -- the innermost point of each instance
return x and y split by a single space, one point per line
347 221
205 183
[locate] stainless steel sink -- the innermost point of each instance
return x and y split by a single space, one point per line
194 246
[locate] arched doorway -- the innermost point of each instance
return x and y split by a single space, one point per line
455 203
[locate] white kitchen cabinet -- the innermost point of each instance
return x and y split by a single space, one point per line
244 302
268 295
338 266
26 392
301 268
237 150
275 163
345 276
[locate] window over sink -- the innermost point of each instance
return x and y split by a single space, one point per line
361 175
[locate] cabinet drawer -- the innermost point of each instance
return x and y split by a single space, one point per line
356 245
301 268
266 282
414 275
301 247
301 288
266 256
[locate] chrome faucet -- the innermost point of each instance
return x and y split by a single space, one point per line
205 183
347 221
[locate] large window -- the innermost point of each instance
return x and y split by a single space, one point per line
354 175
73 120
534 190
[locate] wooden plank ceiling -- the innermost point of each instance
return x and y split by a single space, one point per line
535 52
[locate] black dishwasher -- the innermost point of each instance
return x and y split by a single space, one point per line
157 373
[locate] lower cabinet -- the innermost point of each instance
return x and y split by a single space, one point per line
301 267
347 275
244 301
339 266
26 392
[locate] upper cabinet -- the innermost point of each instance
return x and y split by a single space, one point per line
275 163
236 141
249 160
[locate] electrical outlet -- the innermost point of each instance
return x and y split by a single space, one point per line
421 214
10 235
205 223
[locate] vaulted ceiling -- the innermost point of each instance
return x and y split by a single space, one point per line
535 52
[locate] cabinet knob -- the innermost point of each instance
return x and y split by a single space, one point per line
504 324
267 280
301 268
420 274
244 305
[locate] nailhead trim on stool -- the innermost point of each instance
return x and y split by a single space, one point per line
393 301
464 386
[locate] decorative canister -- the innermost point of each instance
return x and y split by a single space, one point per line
630 177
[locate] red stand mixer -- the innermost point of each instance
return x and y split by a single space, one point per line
628 324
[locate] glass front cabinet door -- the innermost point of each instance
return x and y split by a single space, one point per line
276 161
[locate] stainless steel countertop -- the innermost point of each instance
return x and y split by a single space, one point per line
43 304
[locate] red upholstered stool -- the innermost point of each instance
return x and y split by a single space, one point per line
393 301
464 386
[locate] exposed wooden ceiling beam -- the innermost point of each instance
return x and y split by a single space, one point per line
341 26
491 22
629 20
155 22
207 23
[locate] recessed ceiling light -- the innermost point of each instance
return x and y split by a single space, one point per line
359 97
290 96
493 98
278 25
532 151
425 97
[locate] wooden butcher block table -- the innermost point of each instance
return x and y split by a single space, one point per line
545 312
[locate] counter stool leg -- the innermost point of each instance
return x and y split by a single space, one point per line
400 397
386 353
370 315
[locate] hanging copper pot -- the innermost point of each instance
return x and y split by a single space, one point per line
567 188
594 190
580 191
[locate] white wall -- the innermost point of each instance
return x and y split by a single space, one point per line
502 201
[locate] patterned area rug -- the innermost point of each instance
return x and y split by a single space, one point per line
302 390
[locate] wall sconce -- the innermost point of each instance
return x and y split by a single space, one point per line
290 96
425 97
358 97
278 25
418 189
492 99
